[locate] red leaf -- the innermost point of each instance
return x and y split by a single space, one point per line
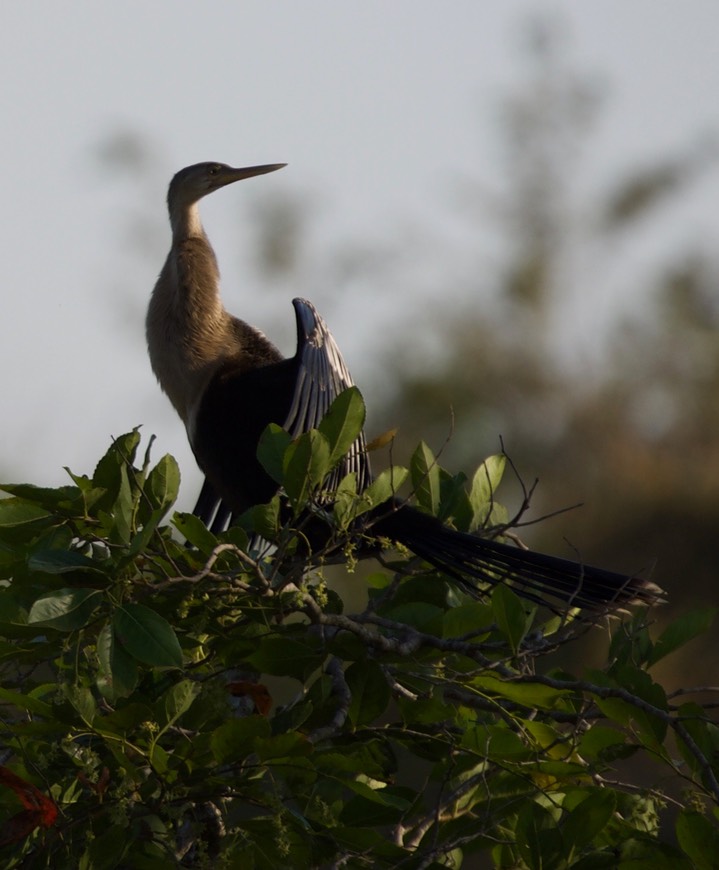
257 691
40 811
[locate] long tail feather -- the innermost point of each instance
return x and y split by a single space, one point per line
477 563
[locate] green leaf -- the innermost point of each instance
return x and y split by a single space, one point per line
118 667
163 484
600 743
631 642
125 719
539 841
484 486
82 700
426 479
650 728
25 702
468 620
266 518
107 850
111 472
419 614
343 423
271 449
383 487
284 657
140 540
683 629
120 454
365 841
306 464
529 694
425 711
454 500
147 636
699 838
703 733
383 796
52 561
495 743
511 615
177 700
588 818
234 740
58 499
18 512
195 532
282 746
345 502
65 609
123 510
369 690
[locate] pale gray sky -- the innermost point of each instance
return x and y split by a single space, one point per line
378 108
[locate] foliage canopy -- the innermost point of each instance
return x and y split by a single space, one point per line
142 678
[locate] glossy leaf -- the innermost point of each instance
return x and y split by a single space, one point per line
18 512
426 481
271 449
482 493
343 423
699 838
22 701
176 701
147 636
383 487
286 657
234 740
454 500
683 629
53 499
65 609
163 484
369 690
57 561
118 666
195 532
468 620
306 464
539 840
107 474
588 818
345 504
528 693
510 614
266 518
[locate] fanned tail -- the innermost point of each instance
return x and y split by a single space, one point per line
477 564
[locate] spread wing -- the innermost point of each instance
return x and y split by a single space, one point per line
320 375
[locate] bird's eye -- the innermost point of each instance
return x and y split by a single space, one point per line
213 170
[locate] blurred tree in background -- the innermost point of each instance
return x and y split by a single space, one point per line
630 432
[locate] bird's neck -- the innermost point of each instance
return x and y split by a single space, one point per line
189 333
185 222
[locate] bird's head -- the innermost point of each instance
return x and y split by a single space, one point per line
193 182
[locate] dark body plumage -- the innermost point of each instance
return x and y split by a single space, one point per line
228 382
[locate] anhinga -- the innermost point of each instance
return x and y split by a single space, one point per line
227 382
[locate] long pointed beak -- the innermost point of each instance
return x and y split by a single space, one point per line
230 174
